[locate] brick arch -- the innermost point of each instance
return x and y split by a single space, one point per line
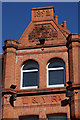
24 59
55 57
29 60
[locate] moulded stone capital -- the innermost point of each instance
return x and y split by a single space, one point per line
74 44
74 37
10 43
10 50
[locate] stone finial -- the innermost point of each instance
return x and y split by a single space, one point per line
64 24
56 19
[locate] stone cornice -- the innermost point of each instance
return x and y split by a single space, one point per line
56 44
10 46
74 37
39 91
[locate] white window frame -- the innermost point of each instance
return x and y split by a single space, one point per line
48 69
22 71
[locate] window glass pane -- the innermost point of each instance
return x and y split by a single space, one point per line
57 117
56 77
56 63
30 65
30 79
29 118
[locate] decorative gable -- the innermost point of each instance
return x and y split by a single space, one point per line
43 30
44 24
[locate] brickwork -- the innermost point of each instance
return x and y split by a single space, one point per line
74 72
59 43
79 63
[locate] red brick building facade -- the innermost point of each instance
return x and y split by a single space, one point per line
37 68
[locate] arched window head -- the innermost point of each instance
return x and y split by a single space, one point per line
56 73
30 75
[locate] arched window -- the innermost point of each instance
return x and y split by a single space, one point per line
30 75
55 73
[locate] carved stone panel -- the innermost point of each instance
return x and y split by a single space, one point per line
45 30
49 99
42 13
